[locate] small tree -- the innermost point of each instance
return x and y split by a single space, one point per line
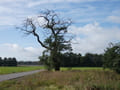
1 61
56 29
45 59
112 58
14 61
5 61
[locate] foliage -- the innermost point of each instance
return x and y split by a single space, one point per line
45 60
1 61
92 60
55 29
70 60
77 60
8 62
66 80
112 58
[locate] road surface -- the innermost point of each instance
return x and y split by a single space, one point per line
16 75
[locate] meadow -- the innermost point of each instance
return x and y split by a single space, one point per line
8 70
77 79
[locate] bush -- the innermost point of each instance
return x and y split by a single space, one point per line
112 58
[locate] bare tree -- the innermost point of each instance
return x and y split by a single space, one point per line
56 30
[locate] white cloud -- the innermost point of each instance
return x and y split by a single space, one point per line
32 4
12 11
5 9
21 53
12 1
7 20
93 38
114 19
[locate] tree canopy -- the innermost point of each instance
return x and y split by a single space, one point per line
70 59
8 61
112 57
56 28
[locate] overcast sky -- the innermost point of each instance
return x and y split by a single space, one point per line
96 23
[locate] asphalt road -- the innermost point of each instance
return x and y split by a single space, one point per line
17 75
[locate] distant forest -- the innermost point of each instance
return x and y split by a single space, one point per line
8 61
67 60
28 63
77 60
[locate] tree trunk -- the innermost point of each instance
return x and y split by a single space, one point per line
57 65
55 58
57 68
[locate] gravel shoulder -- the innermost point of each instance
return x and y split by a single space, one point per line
17 75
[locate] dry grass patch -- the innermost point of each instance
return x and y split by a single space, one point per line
66 80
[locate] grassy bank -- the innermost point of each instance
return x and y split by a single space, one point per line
66 80
7 70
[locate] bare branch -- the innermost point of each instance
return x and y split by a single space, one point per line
56 40
30 28
57 26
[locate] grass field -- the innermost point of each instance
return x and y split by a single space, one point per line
7 70
83 79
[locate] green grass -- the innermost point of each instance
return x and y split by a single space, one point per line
65 80
7 70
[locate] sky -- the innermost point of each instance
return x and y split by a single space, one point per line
96 23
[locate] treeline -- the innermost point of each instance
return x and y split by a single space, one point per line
77 60
28 63
8 61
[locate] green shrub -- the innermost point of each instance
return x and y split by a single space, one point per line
112 58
